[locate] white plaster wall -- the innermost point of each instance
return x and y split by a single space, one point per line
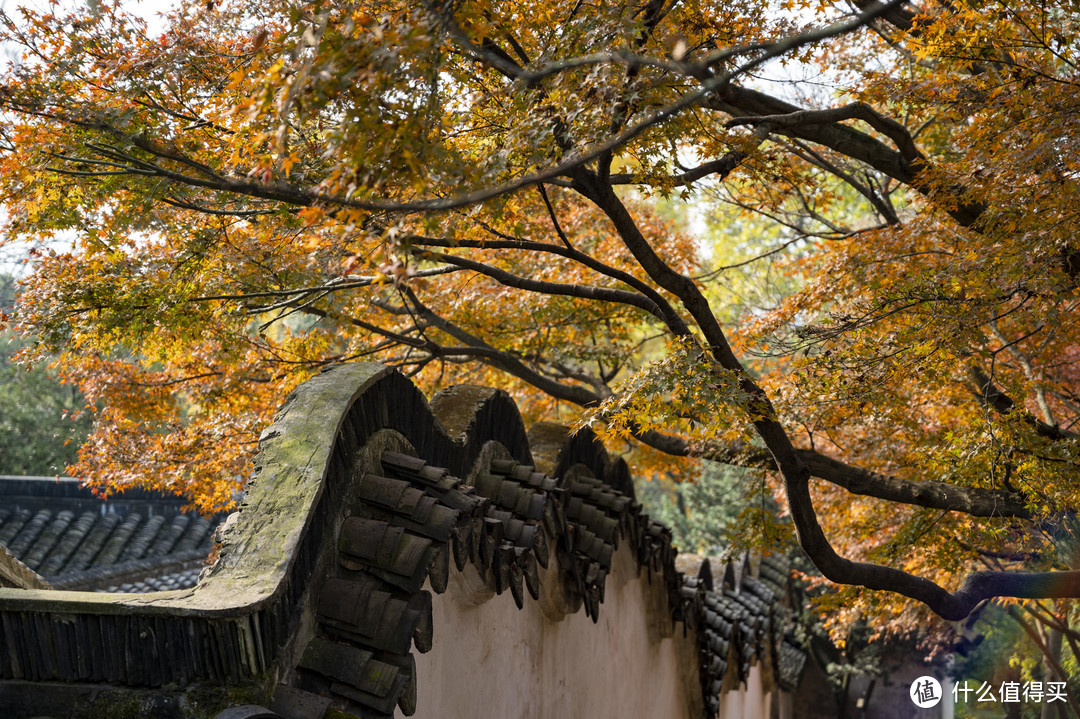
490 659
749 701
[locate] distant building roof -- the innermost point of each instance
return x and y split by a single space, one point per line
139 541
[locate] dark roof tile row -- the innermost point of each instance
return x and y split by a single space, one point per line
173 580
76 550
417 519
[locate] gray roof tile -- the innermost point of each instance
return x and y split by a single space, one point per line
77 541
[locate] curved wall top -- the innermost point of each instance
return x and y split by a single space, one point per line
362 503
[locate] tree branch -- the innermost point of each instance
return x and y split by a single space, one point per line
741 102
989 394
504 360
587 292
855 111
722 166
973 501
712 86
670 317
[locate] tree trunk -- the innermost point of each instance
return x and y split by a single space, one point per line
1051 667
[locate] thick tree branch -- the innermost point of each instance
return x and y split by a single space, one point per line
932 495
660 272
855 111
973 501
898 17
957 605
741 102
796 473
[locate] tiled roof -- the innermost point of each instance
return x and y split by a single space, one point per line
775 573
138 543
415 519
745 618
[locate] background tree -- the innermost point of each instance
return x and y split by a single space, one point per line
469 191
723 510
41 421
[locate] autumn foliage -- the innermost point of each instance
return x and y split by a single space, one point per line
864 284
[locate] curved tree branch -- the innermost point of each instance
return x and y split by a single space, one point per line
712 86
989 394
973 501
741 102
795 471
855 111
504 360
670 317
587 292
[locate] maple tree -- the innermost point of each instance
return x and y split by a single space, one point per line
528 195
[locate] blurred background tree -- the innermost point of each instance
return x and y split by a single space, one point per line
42 422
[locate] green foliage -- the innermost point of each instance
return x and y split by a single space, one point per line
41 420
715 514
1004 652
